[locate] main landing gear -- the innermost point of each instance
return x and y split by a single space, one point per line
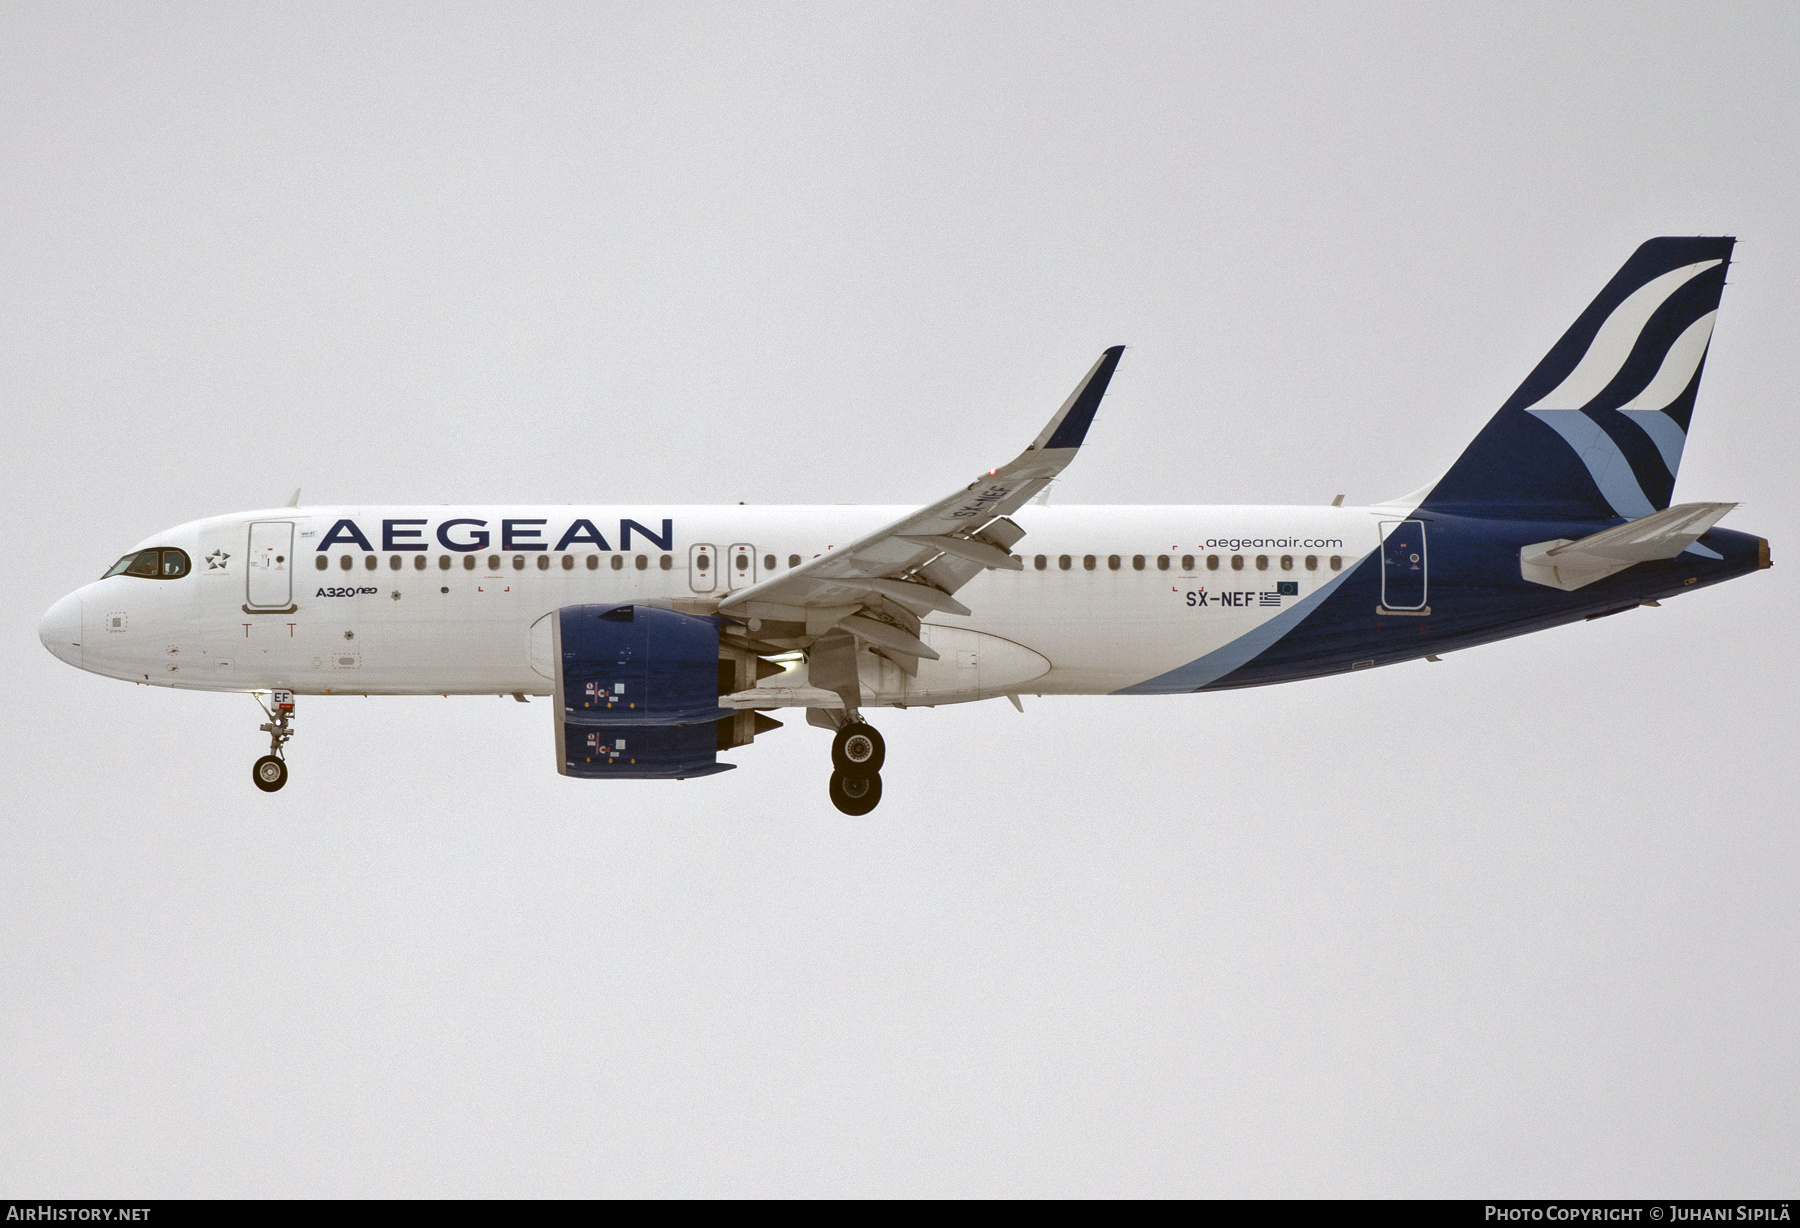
270 772
856 757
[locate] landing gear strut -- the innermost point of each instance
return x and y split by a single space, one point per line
857 754
270 772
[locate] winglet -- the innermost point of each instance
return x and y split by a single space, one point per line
1070 425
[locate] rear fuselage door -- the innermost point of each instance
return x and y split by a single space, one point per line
703 568
270 565
742 561
1403 564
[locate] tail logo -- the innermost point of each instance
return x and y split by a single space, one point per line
1567 408
1612 345
1617 391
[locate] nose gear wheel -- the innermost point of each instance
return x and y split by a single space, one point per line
269 773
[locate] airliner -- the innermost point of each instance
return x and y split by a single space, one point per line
665 636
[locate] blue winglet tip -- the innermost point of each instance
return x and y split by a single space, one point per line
1074 426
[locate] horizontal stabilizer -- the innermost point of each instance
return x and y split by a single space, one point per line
1569 565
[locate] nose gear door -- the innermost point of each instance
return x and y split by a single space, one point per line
269 565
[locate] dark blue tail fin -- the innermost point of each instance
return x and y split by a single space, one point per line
1596 430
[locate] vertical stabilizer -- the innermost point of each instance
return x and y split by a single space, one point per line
1596 430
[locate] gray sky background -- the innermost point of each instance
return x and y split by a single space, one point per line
1522 923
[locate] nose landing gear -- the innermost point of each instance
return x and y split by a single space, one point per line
270 772
857 754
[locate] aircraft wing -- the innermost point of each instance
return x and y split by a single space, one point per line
876 588
1571 564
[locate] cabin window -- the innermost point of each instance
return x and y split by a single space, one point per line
1237 562
493 562
1312 562
1112 562
1064 561
793 560
593 562
393 562
569 562
702 562
1040 562
346 562
1287 562
370 562
468 562
743 562
544 561
1162 562
167 563
643 562
667 563
443 562
768 562
418 562
1137 562
1087 562
1262 562
321 563
1337 562
1187 562
618 562
1212 562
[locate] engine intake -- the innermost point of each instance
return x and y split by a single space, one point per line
637 692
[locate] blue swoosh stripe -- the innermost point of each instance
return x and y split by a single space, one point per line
1605 463
1664 432
1221 661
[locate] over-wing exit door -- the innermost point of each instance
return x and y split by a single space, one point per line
1403 564
269 565
743 565
703 568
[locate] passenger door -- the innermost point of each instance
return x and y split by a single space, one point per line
1403 564
269 566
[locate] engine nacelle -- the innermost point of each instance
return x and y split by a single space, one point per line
637 692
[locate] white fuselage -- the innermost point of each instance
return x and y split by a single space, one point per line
444 600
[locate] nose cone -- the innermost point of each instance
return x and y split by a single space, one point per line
60 630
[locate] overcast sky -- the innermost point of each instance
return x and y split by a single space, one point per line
1520 923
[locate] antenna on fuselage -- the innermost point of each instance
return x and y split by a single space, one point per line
295 501
1337 502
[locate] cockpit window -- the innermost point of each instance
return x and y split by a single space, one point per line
166 563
